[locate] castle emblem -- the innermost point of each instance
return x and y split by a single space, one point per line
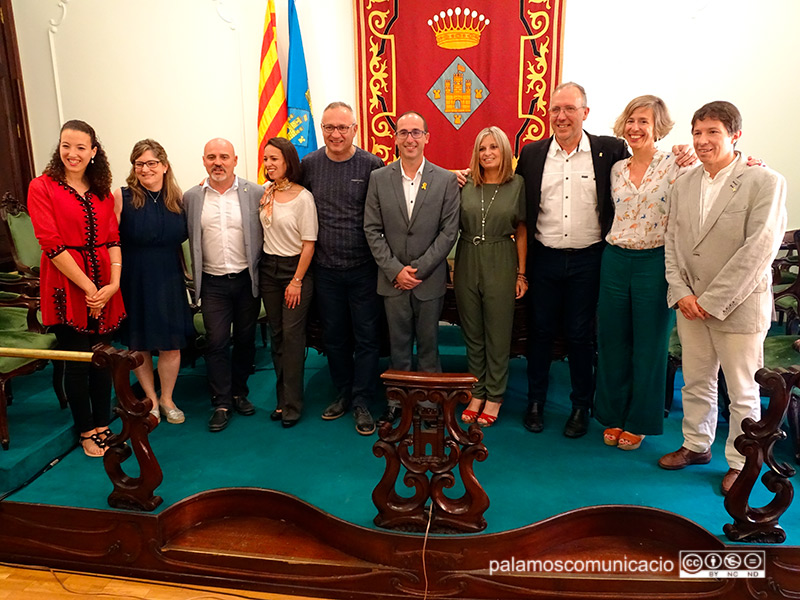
458 92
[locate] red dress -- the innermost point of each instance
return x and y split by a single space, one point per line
85 227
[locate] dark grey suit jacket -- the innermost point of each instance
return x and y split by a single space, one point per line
424 240
249 196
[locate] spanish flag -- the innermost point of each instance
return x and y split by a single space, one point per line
272 109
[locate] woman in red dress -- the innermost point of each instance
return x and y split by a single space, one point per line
73 215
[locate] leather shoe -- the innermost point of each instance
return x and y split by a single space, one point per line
289 423
364 423
728 480
335 409
683 458
578 423
219 420
276 415
243 406
534 417
390 415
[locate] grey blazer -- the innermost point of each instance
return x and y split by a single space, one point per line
424 240
727 262
249 196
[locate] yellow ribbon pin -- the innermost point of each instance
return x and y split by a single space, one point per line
424 185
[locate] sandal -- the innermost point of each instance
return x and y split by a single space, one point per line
611 436
469 416
630 441
97 444
486 420
101 437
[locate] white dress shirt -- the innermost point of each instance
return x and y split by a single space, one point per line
568 213
223 236
710 188
411 186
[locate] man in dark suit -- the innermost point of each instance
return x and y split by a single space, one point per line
569 208
226 238
411 222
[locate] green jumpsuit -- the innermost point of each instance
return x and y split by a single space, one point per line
485 280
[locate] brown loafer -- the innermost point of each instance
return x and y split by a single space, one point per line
683 458
727 481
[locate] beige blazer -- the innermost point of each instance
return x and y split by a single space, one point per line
727 261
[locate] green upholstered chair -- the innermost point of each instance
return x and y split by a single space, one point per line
782 352
26 252
20 328
786 287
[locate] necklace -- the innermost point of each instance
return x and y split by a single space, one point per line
151 196
484 212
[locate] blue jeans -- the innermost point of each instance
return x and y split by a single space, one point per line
564 287
349 308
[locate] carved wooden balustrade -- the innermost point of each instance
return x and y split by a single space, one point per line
422 427
760 525
130 492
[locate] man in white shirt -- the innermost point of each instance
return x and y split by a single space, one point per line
226 237
411 222
569 209
726 223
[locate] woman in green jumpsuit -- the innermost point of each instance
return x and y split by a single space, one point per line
490 269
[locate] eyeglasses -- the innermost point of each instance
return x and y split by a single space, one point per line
151 164
414 133
568 110
340 128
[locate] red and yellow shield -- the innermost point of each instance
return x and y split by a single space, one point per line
461 66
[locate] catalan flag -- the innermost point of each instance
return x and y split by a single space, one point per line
272 109
301 123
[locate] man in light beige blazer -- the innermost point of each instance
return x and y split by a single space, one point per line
726 223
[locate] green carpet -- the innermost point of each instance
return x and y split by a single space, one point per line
39 430
529 477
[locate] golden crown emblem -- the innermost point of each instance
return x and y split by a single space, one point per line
457 28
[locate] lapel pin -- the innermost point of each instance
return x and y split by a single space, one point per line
601 154
424 185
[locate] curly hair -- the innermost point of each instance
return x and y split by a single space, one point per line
172 192
98 171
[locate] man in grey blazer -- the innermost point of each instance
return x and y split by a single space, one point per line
411 221
226 238
726 223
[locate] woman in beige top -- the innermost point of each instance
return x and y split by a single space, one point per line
289 218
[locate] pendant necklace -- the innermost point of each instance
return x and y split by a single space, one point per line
151 196
484 212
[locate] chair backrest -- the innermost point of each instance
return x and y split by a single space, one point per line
26 246
187 260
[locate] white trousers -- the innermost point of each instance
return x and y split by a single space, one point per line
704 351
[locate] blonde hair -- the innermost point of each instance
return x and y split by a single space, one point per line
171 191
662 122
506 166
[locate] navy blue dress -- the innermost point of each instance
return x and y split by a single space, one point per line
152 283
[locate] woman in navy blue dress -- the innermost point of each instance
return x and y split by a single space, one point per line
152 227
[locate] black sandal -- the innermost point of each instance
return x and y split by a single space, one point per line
94 438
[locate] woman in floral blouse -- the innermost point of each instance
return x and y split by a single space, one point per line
633 319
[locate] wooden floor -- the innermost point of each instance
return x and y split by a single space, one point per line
22 583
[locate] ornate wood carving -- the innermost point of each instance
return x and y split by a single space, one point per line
269 541
756 444
137 422
406 445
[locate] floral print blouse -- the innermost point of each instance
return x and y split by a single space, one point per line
640 213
